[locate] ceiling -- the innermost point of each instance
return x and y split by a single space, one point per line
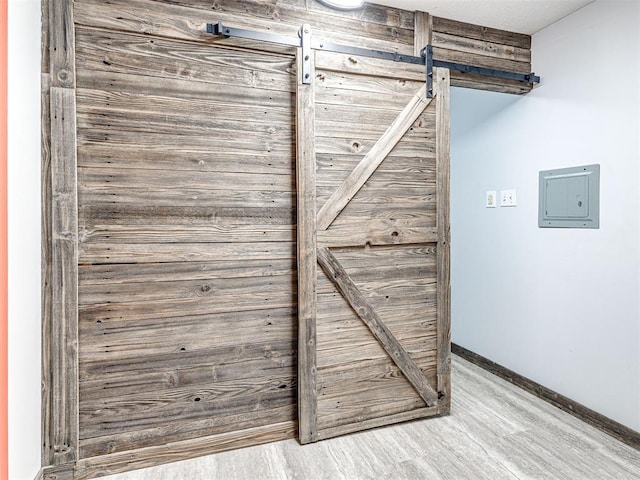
523 16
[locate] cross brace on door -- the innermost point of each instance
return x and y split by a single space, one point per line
307 43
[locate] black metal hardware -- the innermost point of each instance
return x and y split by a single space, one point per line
221 29
427 55
488 72
425 59
365 52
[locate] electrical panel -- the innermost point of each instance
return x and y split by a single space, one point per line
570 197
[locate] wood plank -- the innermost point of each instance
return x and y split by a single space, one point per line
46 259
355 114
478 32
340 349
369 14
410 146
184 22
389 256
110 51
377 422
231 144
118 274
345 81
416 180
402 317
116 385
149 409
380 234
184 89
223 354
267 296
196 289
102 253
326 24
111 102
167 196
335 309
368 398
182 158
465 58
125 178
45 60
64 280
481 47
307 274
444 235
187 124
108 109
343 195
415 196
61 44
133 440
423 32
339 62
197 216
352 294
220 232
347 96
336 167
140 458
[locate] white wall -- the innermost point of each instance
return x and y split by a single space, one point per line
560 306
24 238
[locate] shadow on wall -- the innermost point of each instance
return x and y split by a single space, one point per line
486 105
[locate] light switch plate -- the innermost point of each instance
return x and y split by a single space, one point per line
492 199
508 198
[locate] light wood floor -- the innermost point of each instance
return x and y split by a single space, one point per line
495 431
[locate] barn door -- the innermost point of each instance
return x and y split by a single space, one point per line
373 252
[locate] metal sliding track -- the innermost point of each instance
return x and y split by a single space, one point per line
307 43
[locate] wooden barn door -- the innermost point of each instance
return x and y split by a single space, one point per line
186 261
373 252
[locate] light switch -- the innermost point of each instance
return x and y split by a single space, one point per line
492 200
508 198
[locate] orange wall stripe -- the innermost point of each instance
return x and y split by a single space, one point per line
4 438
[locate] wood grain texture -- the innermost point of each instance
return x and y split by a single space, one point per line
64 279
478 32
610 427
187 241
423 32
186 21
59 472
496 431
120 462
307 275
358 177
187 213
61 43
443 126
46 273
389 223
358 302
